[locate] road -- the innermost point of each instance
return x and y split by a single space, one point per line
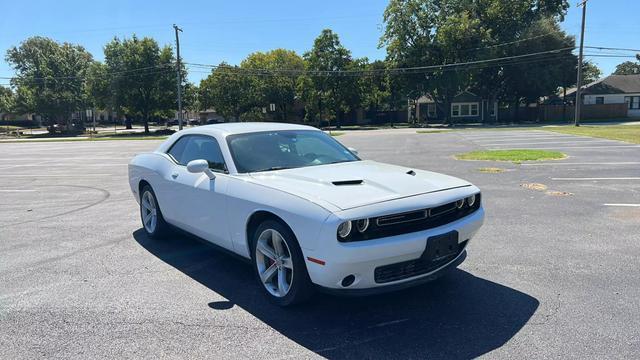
553 273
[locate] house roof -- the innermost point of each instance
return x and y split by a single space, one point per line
614 84
465 96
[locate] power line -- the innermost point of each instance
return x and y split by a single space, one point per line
84 77
611 48
390 70
251 72
611 56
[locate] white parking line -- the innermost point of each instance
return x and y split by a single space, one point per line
623 205
591 179
520 138
53 175
16 190
511 138
576 147
549 142
584 163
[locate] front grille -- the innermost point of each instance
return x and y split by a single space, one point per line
411 268
402 218
413 221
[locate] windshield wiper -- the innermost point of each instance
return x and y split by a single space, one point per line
338 162
273 168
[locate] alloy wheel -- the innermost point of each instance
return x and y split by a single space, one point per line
274 262
149 212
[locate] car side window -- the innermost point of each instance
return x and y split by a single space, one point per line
194 147
177 149
210 151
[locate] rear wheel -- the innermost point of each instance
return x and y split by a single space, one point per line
152 221
279 264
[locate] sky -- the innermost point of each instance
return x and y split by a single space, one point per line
216 31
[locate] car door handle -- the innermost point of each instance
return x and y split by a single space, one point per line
174 175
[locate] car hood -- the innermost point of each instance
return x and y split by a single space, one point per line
354 184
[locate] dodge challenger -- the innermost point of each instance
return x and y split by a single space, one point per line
306 211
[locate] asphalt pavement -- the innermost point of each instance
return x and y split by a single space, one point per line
554 273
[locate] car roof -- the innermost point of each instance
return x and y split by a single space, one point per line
225 129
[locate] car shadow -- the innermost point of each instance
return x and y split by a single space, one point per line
457 316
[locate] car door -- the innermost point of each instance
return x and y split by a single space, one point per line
201 203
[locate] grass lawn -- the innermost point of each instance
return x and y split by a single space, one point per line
628 133
103 138
431 131
511 155
336 133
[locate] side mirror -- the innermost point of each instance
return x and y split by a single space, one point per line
353 150
200 166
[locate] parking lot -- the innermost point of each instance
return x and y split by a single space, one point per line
553 273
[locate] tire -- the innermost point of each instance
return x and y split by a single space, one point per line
285 262
152 221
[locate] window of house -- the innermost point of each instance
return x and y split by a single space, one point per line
455 110
599 99
633 101
465 109
431 110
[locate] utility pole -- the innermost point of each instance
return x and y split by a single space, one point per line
580 58
178 77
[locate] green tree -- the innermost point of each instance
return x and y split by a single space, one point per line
228 90
374 86
49 78
628 67
431 32
191 98
100 89
540 75
590 72
328 96
7 100
434 32
141 77
272 86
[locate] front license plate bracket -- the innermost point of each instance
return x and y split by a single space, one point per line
441 247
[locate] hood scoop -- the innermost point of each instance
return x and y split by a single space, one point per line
347 182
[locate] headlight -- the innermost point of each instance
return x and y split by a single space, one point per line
460 203
344 229
362 225
471 200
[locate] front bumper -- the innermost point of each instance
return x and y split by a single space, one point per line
399 286
360 259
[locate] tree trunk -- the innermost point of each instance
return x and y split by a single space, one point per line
145 119
319 112
564 104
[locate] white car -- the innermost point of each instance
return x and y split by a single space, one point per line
306 210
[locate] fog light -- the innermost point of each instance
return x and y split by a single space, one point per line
344 229
348 280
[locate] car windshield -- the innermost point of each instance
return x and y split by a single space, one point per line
276 150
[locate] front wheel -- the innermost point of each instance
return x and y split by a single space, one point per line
152 221
279 264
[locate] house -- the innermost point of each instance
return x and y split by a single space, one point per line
614 89
465 107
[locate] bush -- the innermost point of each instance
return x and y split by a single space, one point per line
19 123
164 132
